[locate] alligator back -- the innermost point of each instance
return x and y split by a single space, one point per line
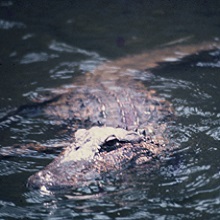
126 104
112 95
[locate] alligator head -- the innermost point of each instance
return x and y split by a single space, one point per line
97 152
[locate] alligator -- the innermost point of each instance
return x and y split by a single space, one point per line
119 123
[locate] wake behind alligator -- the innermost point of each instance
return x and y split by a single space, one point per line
126 123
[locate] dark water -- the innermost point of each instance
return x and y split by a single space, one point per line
46 44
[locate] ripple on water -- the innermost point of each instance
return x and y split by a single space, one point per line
9 167
37 57
6 25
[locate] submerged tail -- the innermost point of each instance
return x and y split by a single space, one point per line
166 53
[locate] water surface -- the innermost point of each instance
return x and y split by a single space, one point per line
47 44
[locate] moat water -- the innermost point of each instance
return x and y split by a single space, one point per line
47 44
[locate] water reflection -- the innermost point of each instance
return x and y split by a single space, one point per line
45 43
37 57
6 25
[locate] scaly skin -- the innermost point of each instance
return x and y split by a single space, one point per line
112 98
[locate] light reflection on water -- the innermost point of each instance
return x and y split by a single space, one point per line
186 186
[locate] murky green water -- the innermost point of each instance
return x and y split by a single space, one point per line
46 44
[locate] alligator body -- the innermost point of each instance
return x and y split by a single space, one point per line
125 122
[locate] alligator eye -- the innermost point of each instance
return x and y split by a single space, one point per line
110 144
111 140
